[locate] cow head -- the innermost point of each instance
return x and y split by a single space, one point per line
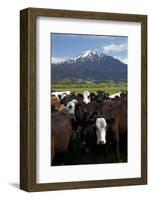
86 97
101 131
70 107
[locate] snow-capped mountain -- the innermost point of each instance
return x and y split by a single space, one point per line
86 55
92 65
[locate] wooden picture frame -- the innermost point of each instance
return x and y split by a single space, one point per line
28 98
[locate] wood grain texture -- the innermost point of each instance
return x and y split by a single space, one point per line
28 98
24 182
144 99
27 101
86 15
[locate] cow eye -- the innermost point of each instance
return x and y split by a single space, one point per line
70 107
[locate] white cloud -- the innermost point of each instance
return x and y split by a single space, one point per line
114 48
124 60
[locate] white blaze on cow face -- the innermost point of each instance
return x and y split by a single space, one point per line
101 130
86 97
70 107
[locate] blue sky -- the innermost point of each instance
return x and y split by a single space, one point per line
71 45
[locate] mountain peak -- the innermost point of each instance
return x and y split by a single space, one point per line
90 54
86 53
93 55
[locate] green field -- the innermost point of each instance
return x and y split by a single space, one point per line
110 87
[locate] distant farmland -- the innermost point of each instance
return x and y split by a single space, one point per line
110 88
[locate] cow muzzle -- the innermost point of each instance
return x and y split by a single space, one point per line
101 142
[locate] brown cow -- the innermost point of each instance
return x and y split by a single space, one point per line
61 107
116 117
55 103
62 130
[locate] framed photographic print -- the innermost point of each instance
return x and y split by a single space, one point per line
83 99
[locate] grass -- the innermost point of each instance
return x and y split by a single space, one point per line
110 88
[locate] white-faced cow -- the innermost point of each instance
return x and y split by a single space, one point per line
101 130
86 97
70 107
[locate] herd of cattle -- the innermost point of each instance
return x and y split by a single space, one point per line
88 128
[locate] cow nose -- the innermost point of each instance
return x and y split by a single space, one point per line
101 142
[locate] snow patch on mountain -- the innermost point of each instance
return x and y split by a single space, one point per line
86 55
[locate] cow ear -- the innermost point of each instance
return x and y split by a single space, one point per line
74 119
77 105
110 120
94 127
59 96
95 114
